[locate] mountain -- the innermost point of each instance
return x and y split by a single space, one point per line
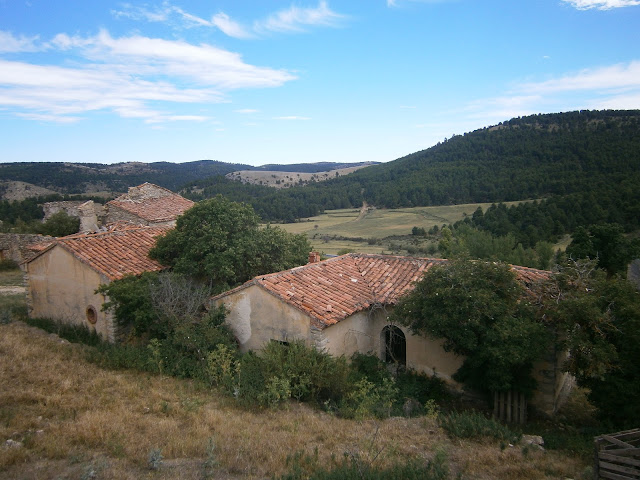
92 178
533 157
83 178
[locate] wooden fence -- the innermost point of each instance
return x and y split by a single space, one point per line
510 407
617 456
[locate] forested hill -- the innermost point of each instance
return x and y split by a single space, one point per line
80 178
537 156
88 178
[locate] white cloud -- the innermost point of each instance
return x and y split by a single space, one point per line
395 3
229 27
603 78
131 76
601 4
166 13
295 19
11 44
607 87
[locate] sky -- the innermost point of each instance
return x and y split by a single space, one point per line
297 81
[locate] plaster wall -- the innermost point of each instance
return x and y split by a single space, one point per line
62 288
257 317
363 332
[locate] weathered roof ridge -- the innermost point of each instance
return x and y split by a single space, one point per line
152 203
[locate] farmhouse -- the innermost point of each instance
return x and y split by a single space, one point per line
63 276
147 204
341 305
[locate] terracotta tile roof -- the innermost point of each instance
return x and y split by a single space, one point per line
116 252
152 203
332 290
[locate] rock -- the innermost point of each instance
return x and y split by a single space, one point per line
533 440
12 444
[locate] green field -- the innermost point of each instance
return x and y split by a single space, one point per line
330 232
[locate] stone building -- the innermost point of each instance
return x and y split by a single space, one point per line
88 212
342 305
147 204
63 277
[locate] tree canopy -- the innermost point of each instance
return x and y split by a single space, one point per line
220 242
478 309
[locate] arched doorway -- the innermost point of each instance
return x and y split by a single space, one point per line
395 345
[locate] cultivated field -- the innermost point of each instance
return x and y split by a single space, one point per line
278 179
327 232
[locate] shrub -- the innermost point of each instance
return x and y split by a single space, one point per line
368 399
471 424
354 467
71 333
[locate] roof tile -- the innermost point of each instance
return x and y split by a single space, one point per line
334 289
116 252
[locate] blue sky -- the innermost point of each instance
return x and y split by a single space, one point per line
271 81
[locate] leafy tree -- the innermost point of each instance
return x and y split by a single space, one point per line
219 242
605 243
478 308
61 224
598 320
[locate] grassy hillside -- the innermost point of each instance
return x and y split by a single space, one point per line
75 420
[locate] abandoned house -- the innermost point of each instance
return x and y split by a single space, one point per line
341 305
62 277
147 204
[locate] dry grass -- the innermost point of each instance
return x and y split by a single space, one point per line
279 179
11 278
75 420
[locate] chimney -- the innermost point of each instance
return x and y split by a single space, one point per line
314 257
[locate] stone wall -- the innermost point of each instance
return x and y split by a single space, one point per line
87 211
15 246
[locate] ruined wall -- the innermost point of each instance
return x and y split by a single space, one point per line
117 214
15 246
88 212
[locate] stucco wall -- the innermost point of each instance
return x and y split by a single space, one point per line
363 332
62 288
257 317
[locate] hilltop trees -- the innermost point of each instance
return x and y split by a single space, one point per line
220 242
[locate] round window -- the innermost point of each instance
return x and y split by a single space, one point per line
92 315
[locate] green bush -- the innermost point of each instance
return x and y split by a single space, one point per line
12 307
367 399
71 333
469 424
282 371
408 384
353 467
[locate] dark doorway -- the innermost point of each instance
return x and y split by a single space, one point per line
395 345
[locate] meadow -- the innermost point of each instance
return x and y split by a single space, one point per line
377 230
